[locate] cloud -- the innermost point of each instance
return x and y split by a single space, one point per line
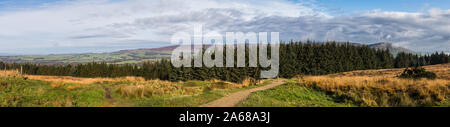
426 31
86 23
81 22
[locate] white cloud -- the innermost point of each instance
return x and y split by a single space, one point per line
86 23
91 23
427 31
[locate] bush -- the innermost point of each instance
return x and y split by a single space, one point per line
417 73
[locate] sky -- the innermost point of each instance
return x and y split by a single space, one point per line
80 26
350 6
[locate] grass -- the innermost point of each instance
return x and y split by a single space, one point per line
173 101
382 91
372 88
204 92
62 91
364 88
18 92
292 94
382 88
441 70
118 58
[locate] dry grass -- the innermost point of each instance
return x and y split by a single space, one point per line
218 84
57 84
136 87
383 88
8 73
140 89
77 80
148 88
38 90
442 71
67 86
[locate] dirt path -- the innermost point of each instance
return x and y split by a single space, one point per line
235 98
108 95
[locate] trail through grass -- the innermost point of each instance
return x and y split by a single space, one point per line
207 94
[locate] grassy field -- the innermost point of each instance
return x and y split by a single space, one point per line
197 97
117 58
368 88
15 91
58 91
293 94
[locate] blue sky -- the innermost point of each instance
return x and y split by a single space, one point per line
11 4
343 6
71 26
350 6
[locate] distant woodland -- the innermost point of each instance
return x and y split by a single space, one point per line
295 58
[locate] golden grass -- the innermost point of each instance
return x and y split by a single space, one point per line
77 80
380 82
368 87
129 86
383 88
442 71
218 84
8 73
57 84
149 88
135 87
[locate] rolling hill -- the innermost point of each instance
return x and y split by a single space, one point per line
392 48
136 55
119 57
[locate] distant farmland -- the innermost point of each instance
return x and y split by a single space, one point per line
119 57
138 55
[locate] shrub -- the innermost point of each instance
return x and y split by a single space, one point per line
417 73
148 88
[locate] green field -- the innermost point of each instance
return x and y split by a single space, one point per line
117 58
364 88
293 94
17 92
297 94
22 92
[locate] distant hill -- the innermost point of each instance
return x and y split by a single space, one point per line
393 49
382 45
119 57
165 50
137 55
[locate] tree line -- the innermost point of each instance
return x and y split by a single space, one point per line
148 70
308 58
410 60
